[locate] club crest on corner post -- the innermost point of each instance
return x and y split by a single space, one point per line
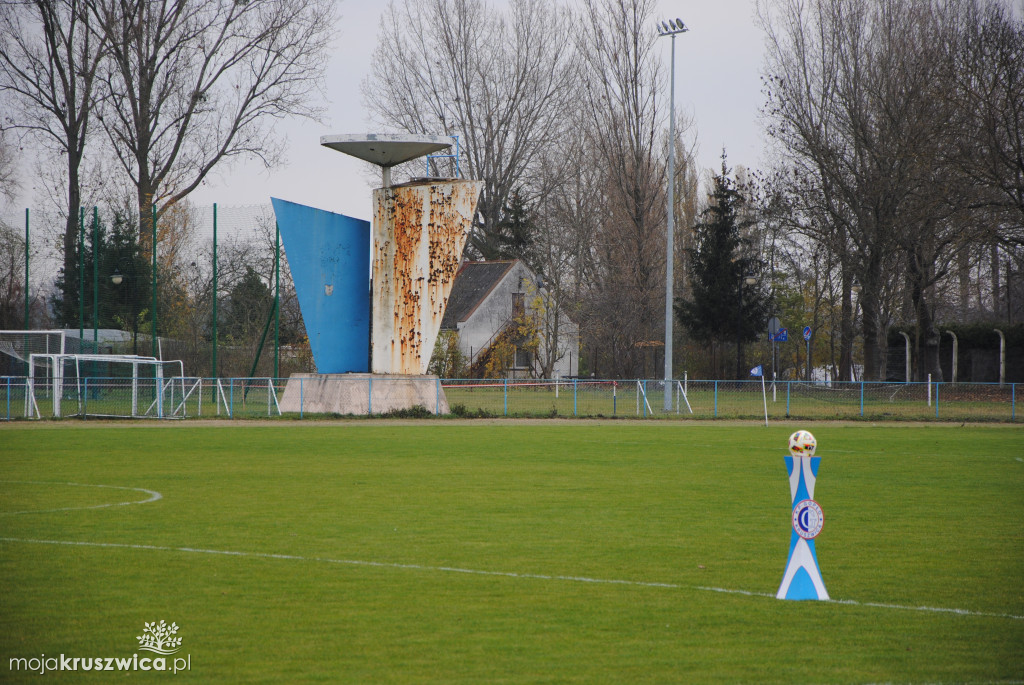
802 578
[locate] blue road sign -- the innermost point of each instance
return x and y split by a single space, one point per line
781 336
807 332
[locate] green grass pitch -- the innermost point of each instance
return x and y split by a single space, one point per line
511 552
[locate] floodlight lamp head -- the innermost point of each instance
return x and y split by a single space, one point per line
671 27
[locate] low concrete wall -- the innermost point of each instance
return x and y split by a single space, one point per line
361 393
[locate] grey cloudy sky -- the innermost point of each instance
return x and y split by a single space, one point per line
718 64
717 80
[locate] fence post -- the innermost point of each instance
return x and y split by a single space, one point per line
615 396
574 395
936 400
862 398
506 395
27 301
716 399
85 403
929 390
645 398
8 398
231 396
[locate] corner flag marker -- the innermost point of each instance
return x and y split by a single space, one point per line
758 371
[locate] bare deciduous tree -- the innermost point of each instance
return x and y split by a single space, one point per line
195 83
12 277
858 100
49 57
568 214
989 140
8 170
498 80
990 76
621 91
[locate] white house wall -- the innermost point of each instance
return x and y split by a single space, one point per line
478 331
491 314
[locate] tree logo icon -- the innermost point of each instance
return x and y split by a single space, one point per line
159 638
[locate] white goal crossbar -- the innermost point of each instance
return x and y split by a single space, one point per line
20 345
64 380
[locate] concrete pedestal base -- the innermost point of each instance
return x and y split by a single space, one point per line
361 393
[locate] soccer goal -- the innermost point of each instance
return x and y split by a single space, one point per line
106 385
16 346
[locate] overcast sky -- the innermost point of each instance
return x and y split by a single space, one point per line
718 64
717 80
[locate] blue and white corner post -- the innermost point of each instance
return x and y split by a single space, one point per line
802 579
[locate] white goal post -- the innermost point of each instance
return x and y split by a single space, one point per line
106 385
16 346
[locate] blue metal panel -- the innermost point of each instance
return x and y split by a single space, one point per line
329 255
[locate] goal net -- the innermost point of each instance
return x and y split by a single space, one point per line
106 385
16 346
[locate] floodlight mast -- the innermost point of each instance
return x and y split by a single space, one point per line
670 28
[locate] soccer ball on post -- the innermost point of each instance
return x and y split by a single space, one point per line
802 444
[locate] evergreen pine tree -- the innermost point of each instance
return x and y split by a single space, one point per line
513 237
123 306
248 305
719 263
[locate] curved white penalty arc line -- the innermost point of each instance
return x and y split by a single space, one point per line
153 497
502 574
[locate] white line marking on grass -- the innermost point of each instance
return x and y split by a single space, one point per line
502 574
876 605
726 591
153 496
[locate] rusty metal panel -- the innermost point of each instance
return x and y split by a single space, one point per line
419 231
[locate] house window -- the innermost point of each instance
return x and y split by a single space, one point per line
524 358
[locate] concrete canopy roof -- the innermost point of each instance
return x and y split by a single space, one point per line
386 149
